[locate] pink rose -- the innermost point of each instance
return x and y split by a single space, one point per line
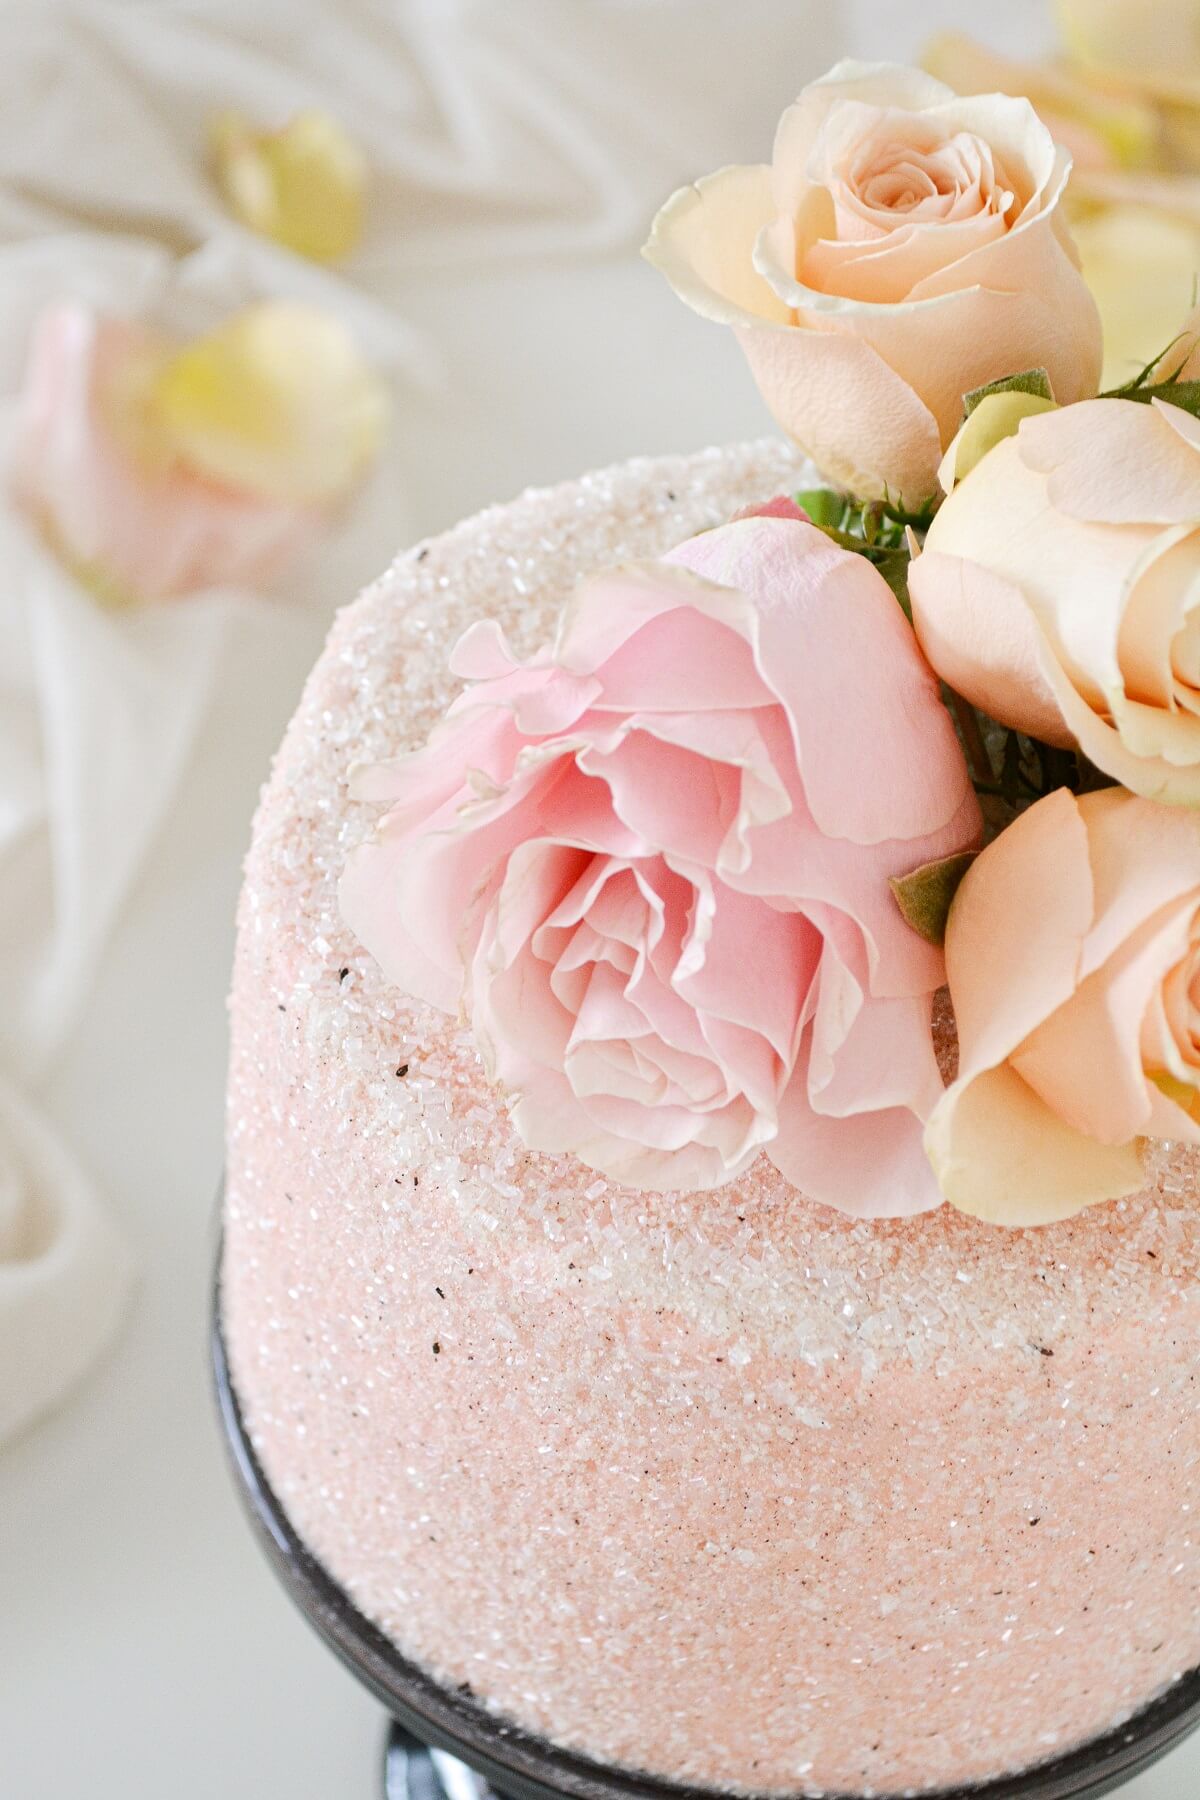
652 867
903 247
1073 957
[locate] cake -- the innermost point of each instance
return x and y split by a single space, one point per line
726 1487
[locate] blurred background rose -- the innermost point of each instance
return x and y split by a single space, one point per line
1122 92
156 468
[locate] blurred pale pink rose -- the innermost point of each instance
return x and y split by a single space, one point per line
652 868
1059 589
154 469
904 247
1073 957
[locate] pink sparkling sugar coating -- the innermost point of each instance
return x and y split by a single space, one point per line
726 1487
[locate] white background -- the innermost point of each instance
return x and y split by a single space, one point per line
145 1650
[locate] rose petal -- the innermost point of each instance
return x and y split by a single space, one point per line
1038 870
1084 1061
1152 776
1115 462
1075 582
866 1073
693 663
874 84
1000 1154
861 422
815 607
1143 859
763 989
1161 594
872 1165
979 634
889 269
703 239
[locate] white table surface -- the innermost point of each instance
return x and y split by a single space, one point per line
145 1649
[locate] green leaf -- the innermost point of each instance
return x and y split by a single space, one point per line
824 506
1028 381
925 896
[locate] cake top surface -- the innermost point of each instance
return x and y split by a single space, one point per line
753 1262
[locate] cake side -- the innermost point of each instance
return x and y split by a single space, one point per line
582 1448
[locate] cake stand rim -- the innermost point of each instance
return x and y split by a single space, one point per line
520 1764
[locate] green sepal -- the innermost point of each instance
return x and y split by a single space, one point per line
925 896
1130 390
893 566
1184 394
1028 381
824 506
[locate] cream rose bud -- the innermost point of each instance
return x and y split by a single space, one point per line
1073 960
1059 589
904 247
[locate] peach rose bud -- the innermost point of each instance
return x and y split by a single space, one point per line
153 470
653 867
302 185
904 247
1073 959
1059 589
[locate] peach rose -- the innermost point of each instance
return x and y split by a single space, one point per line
1073 958
1059 589
904 247
652 867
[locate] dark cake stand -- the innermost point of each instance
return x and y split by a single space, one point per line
444 1746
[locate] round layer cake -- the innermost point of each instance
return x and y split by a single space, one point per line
725 1487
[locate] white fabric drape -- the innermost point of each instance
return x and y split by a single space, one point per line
494 132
